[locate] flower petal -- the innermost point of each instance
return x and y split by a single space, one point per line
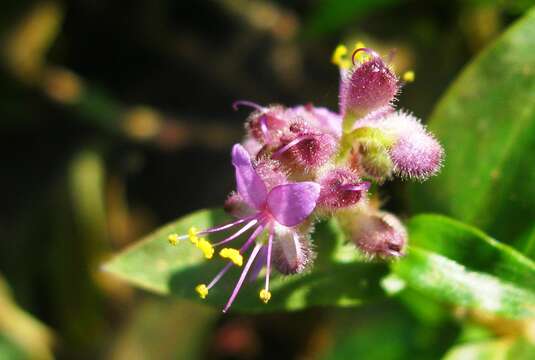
250 186
291 204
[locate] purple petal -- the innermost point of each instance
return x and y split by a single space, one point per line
250 186
290 204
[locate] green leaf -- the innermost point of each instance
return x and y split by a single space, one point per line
454 262
338 277
486 122
496 349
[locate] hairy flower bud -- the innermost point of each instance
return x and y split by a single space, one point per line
369 86
302 149
379 234
341 188
414 152
292 251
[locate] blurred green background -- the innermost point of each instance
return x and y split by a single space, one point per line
116 118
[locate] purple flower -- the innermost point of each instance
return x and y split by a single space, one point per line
275 209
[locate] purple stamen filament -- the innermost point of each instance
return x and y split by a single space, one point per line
242 249
255 251
238 233
225 226
363 186
251 104
292 143
268 261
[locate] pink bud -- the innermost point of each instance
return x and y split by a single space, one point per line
341 188
379 234
368 86
292 251
417 155
415 152
303 149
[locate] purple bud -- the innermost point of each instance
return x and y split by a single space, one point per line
292 251
368 86
303 149
379 234
341 188
415 152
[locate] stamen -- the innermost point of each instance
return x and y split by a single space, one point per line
205 247
224 226
242 249
292 143
192 235
409 76
338 57
368 51
265 294
238 233
173 239
202 290
233 255
242 276
251 104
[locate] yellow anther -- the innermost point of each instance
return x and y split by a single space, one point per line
265 295
233 255
409 76
192 235
339 57
206 248
202 290
173 239
361 56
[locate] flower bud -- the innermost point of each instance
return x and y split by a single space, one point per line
370 85
341 188
379 234
303 149
415 153
292 251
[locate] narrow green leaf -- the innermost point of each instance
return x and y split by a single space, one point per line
337 278
486 122
453 262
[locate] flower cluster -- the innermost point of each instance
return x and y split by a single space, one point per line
303 163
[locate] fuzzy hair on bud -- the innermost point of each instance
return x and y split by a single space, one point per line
370 85
304 150
415 153
292 251
379 235
341 188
